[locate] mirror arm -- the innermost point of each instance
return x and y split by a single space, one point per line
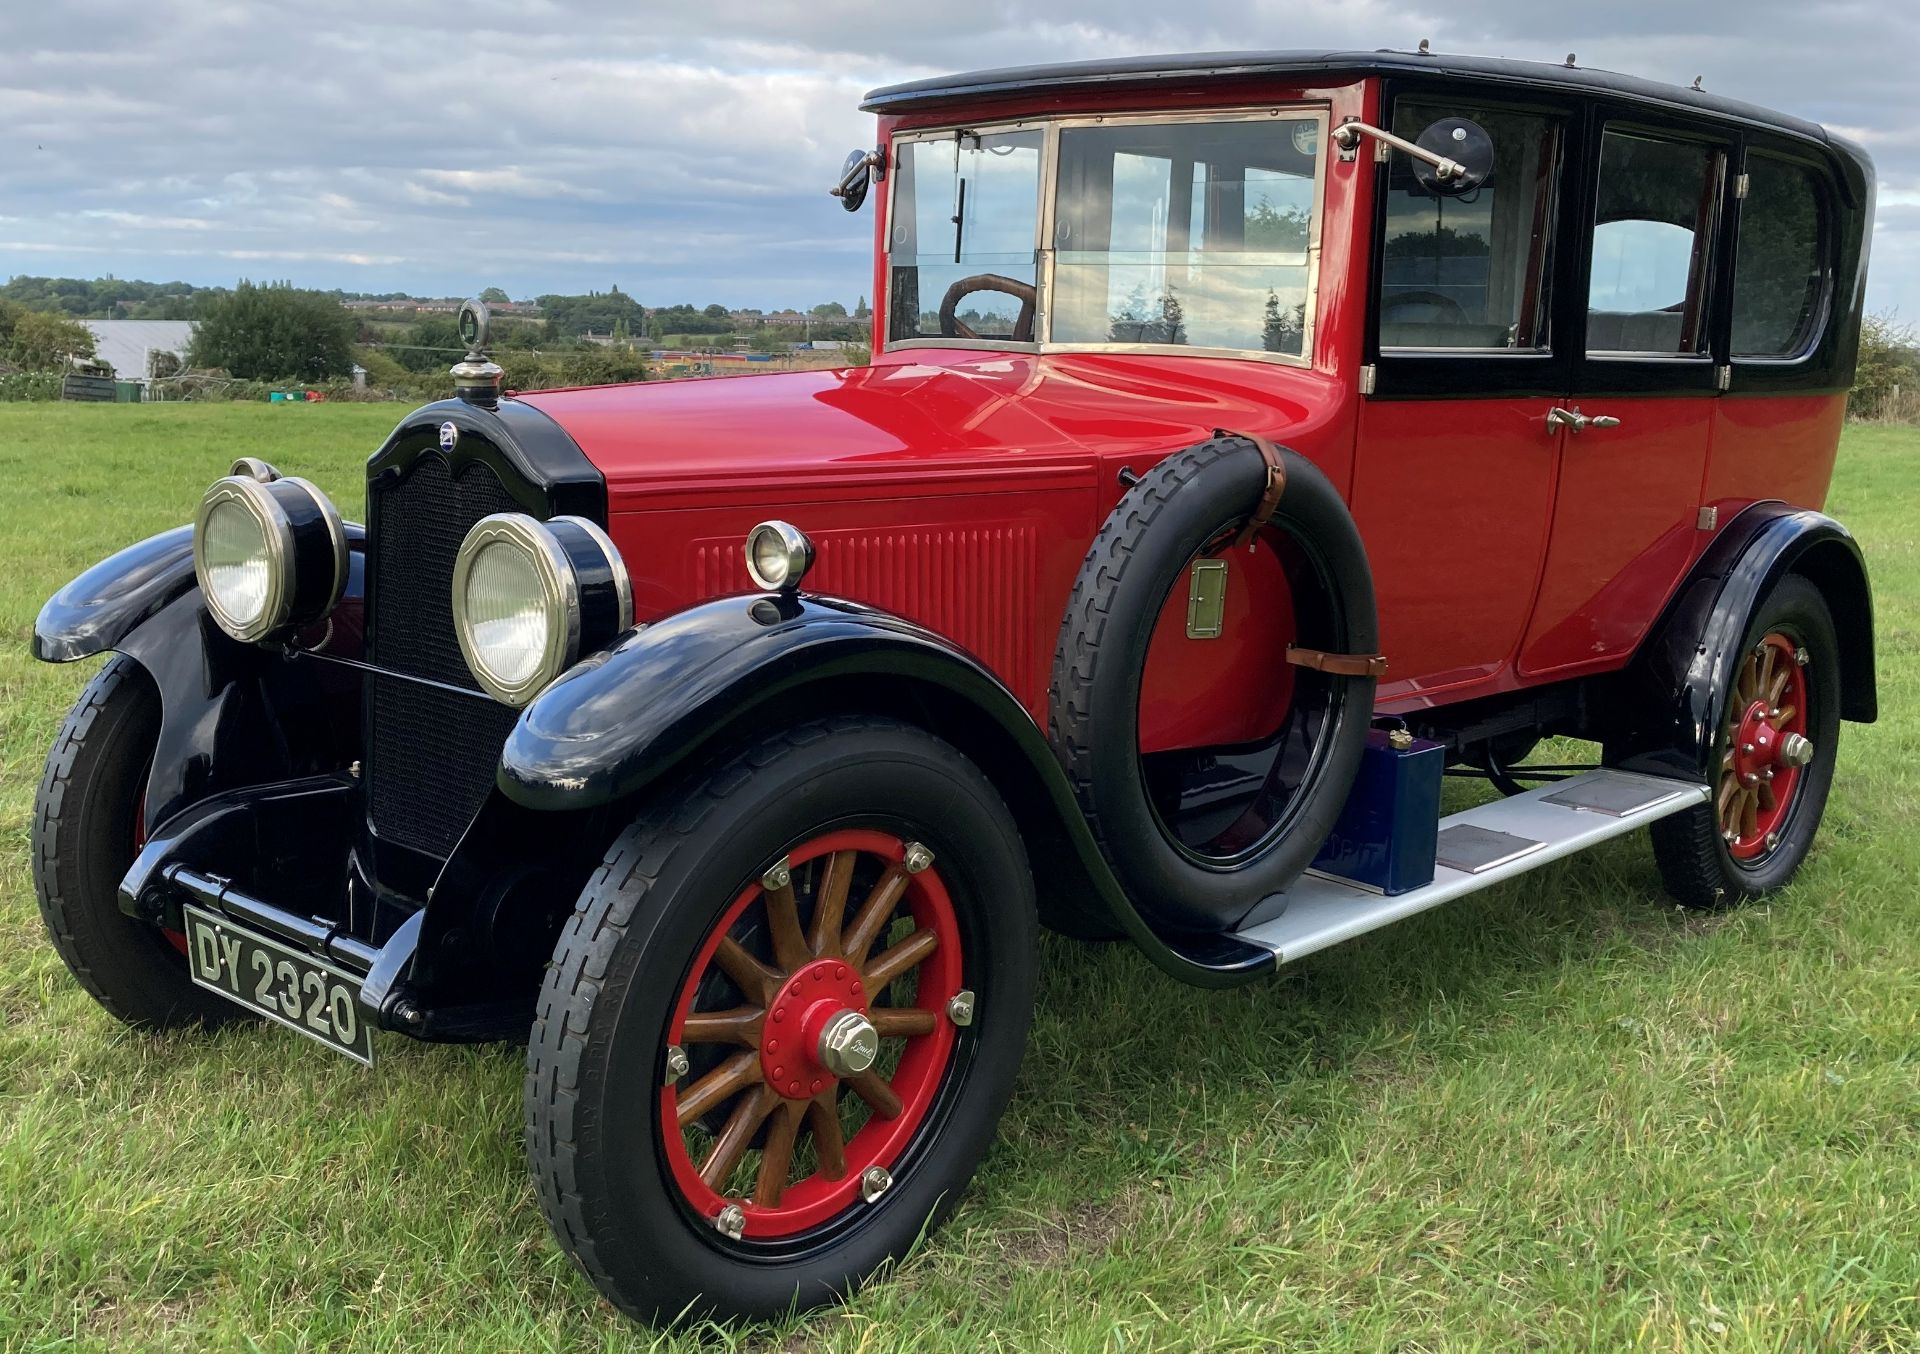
869 161
1346 139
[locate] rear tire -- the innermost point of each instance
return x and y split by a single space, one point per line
86 826
1699 865
610 1118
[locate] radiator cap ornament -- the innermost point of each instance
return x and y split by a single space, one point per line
476 377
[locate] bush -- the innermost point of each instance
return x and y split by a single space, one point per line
29 385
275 333
38 340
1886 383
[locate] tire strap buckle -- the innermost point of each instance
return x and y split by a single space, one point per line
1276 484
1338 664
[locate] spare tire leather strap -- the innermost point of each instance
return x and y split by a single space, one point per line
1276 483
1339 664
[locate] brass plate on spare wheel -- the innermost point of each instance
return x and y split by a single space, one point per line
1207 599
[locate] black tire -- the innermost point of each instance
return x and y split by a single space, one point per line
596 1054
1176 511
1696 866
83 842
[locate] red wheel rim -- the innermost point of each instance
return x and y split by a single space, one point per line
828 946
1766 745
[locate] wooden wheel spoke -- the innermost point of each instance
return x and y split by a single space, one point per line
1767 657
1779 687
1767 800
1729 787
1787 712
741 1025
897 1021
823 1122
829 911
753 977
873 914
1726 762
776 1158
899 959
1743 687
783 924
731 1145
730 1077
870 1088
1749 813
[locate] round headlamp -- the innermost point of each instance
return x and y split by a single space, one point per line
778 556
530 597
270 555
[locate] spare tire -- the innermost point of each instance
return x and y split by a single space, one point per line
1282 791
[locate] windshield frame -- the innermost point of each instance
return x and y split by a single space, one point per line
1044 228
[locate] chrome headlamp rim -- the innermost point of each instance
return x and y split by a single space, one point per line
560 598
797 549
276 534
616 563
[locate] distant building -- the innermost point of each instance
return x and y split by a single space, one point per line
125 345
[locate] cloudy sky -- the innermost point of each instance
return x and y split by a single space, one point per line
678 148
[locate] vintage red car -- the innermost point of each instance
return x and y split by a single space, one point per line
1247 439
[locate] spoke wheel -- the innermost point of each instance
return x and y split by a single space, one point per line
814 1029
1765 747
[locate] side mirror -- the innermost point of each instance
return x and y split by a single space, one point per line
856 176
1467 145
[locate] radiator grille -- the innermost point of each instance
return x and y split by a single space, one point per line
431 753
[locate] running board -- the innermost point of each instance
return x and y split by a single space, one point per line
1478 847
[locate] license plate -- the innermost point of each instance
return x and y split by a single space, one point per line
283 984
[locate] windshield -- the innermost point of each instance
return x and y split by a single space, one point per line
1189 232
965 206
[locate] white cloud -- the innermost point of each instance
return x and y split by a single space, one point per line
681 150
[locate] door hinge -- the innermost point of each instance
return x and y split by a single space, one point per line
1741 183
1368 375
1723 377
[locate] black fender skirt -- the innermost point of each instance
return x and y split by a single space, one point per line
1673 695
620 723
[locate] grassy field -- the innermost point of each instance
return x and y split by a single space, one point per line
1559 1114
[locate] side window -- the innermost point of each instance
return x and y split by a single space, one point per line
1779 277
1471 272
1652 245
1190 233
963 206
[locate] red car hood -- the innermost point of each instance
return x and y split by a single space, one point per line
933 418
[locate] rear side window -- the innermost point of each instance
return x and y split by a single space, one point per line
1652 245
1779 279
1471 272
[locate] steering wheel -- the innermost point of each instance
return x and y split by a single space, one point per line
1449 310
952 327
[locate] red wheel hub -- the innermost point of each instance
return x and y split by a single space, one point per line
1766 747
857 933
790 1042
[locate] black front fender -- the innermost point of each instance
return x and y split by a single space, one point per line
97 610
618 724
1675 690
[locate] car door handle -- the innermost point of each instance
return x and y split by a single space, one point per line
1577 421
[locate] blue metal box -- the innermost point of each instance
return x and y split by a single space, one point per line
1386 835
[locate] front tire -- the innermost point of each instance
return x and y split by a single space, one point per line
1754 834
689 1161
86 831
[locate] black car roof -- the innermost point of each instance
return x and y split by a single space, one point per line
1138 71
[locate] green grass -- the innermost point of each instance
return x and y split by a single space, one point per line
1557 1114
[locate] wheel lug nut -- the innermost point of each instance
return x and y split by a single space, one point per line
677 1063
1773 840
778 876
960 1007
731 1222
918 858
875 1181
1746 747
1801 657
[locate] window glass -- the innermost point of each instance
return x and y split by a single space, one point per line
1471 271
1778 278
1652 245
1185 233
965 207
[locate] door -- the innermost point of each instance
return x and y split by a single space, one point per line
1455 462
1639 423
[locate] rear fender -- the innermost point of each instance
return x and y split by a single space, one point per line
619 724
1672 696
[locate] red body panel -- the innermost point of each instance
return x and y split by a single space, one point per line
961 488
